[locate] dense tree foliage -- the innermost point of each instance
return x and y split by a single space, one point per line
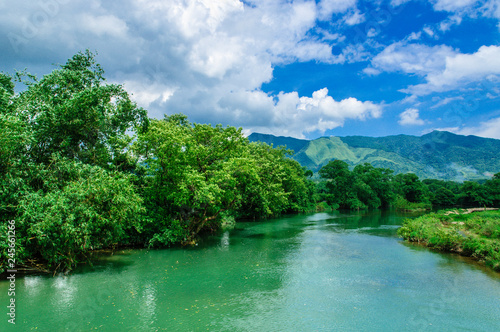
193 176
83 168
370 187
364 187
81 208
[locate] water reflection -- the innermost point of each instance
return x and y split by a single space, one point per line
224 241
33 285
64 291
147 308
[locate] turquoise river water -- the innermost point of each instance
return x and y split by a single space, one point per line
319 272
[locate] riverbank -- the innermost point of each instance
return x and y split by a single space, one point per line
474 233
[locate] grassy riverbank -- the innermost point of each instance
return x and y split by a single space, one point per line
475 234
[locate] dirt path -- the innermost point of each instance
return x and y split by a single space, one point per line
467 211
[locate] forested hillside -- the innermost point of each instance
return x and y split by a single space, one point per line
437 155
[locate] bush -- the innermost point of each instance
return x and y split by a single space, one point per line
87 208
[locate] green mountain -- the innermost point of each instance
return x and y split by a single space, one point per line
438 155
289 142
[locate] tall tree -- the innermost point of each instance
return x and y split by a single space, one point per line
340 181
411 188
379 180
473 194
73 112
493 189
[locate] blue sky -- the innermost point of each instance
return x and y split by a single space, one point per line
293 68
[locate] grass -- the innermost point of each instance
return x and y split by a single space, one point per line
476 234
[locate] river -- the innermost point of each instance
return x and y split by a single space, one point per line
319 272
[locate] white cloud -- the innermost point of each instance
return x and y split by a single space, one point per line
104 25
372 33
354 18
465 8
327 8
488 129
371 71
412 58
296 116
429 32
449 22
452 5
410 117
491 8
442 67
147 94
353 53
328 36
414 36
460 70
205 58
446 101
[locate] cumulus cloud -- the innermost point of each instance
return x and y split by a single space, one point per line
442 67
103 25
295 116
417 59
460 70
410 117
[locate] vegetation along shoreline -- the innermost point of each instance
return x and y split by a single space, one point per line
472 233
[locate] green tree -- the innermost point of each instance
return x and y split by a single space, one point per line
73 112
6 93
411 188
444 197
493 189
339 183
15 140
83 168
85 208
189 176
379 180
473 194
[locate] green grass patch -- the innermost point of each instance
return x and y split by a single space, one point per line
475 234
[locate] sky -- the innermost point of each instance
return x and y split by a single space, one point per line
303 69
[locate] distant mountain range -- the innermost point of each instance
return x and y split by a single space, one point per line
437 155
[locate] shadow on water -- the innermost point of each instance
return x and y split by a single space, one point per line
108 261
99 261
